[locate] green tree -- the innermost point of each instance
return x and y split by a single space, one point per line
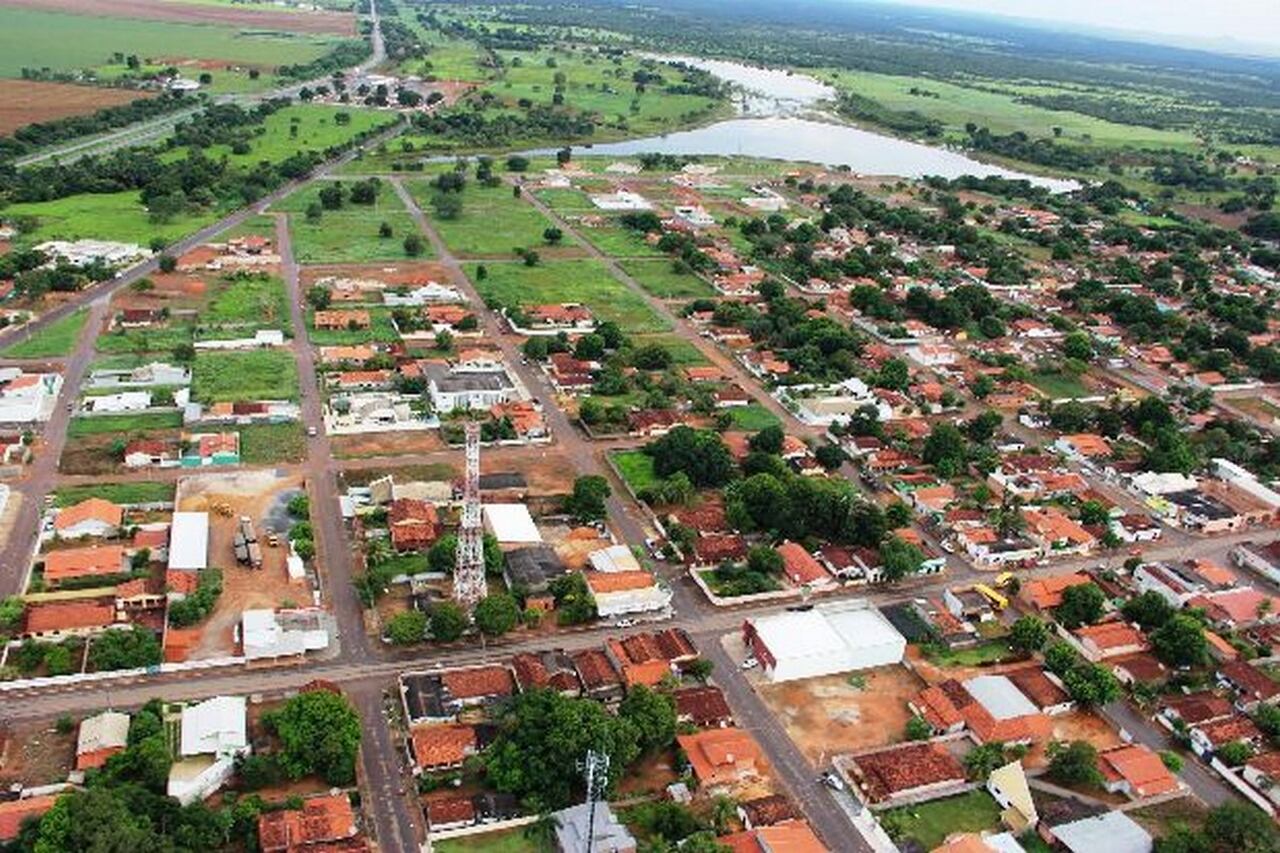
1082 604
1235 753
319 733
413 245
448 622
1241 828
407 627
442 556
918 729
946 450
1074 763
497 614
1093 512
1150 610
1091 684
699 669
125 648
653 715
1028 634
899 558
981 760
1180 641
574 604
586 503
767 440
1077 345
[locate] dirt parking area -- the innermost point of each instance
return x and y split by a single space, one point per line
844 713
262 496
24 102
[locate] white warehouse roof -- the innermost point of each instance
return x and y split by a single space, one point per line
1002 699
214 727
511 523
189 541
830 638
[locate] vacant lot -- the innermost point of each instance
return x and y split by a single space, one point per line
266 444
24 102
121 493
636 468
843 713
617 240
137 342
102 216
54 340
658 278
249 300
492 223
1060 386
318 127
256 375
753 417
123 424
588 282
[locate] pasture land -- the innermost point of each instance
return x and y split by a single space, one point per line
318 128
253 375
492 223
584 281
103 216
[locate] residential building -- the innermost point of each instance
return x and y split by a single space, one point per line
918 770
1008 785
627 593
95 561
801 568
324 824
451 389
91 517
1107 640
212 734
1135 770
704 707
100 737
439 747
721 758
1113 831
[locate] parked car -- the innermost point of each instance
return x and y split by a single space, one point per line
832 780
750 663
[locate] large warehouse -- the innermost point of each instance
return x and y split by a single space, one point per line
829 639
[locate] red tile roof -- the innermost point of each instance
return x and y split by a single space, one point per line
14 812
479 682
904 768
68 616
442 745
1140 767
799 564
320 821
94 561
93 509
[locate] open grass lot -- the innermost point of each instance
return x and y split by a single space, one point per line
380 329
566 200
54 340
582 281
121 493
318 129
139 341
1060 385
249 300
753 417
636 468
989 652
492 224
658 278
123 424
349 234
102 216
930 823
620 242
254 375
38 39
683 353
266 444
510 841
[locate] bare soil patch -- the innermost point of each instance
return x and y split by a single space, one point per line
198 13
829 715
36 754
24 102
386 444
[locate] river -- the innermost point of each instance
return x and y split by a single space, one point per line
782 117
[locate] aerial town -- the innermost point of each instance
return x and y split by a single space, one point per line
370 484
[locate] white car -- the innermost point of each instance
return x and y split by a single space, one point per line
832 781
750 663
624 623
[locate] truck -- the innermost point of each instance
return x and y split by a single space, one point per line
245 543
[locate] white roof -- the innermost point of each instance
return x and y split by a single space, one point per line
1113 832
859 625
511 523
615 558
268 634
107 730
1154 483
189 541
794 634
1004 843
1002 699
214 726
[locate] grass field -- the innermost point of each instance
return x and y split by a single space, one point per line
40 39
103 216
991 651
138 341
585 281
121 493
253 375
753 417
1060 385
54 340
683 353
317 130
265 444
349 234
510 841
123 424
658 278
620 242
247 301
636 468
930 823
492 225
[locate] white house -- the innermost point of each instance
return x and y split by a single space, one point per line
123 401
213 734
261 338
27 397
451 389
627 593
269 634
429 293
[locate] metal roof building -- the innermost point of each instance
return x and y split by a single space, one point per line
189 541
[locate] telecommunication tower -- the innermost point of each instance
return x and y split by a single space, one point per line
468 575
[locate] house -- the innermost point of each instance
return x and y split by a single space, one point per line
1044 693
801 568
1194 709
450 812
531 569
989 548
1138 668
627 593
1045 594
91 517
144 452
990 706
1250 685
792 836
614 558
704 707
442 746
828 639
600 680
1134 527
553 670
267 634
342 319
27 398
1083 447
1113 832
915 771
1263 773
1208 738
1135 770
211 448
74 618
14 813
652 423
1239 607
569 316
441 696
212 734
412 524
95 561
766 811
591 826
1055 533
1172 583
325 824
1008 785
721 758
1107 640
452 390
100 737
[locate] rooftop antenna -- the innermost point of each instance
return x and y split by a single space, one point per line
468 573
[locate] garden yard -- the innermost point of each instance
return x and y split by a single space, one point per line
1060 386
380 329
161 339
254 375
929 824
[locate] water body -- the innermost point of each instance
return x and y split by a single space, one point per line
782 118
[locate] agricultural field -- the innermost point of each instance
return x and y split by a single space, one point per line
351 233
492 223
104 216
584 281
37 38
266 374
658 278
54 340
24 102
